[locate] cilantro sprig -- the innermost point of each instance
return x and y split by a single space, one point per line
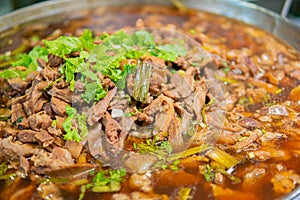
28 61
108 181
104 181
68 125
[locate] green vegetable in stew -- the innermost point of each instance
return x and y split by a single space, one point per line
27 61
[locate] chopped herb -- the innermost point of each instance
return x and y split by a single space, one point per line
28 61
82 125
161 151
103 181
54 122
169 52
184 193
64 45
87 40
5 113
174 165
192 31
108 180
234 179
225 64
143 39
6 56
207 172
226 80
70 129
129 114
83 189
246 101
19 119
134 145
121 80
194 64
35 38
164 166
212 101
226 69
270 104
93 91
3 168
8 176
278 91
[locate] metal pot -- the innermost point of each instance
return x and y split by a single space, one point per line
243 11
55 11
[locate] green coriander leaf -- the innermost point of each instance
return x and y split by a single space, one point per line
169 52
136 53
118 40
63 45
10 73
70 68
87 39
93 91
71 131
26 60
108 181
143 38
208 173
121 82
129 115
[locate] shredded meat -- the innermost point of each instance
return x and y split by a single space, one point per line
17 112
249 123
27 135
94 139
114 135
58 106
18 84
196 101
50 74
74 148
96 112
55 61
13 150
250 143
48 190
45 162
62 94
44 138
39 121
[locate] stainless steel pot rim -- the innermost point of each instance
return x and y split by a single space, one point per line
237 9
